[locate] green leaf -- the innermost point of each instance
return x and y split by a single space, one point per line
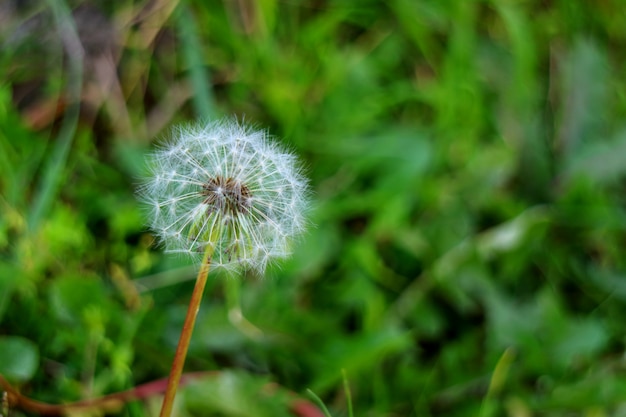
584 97
18 358
71 296
358 354
235 394
601 162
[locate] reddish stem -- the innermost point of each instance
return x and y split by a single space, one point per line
111 401
185 336
299 406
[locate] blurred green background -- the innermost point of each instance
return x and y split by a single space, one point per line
467 163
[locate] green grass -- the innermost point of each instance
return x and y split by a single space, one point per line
467 160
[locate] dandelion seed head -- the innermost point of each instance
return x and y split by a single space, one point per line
226 186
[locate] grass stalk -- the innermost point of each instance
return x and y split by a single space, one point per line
203 99
53 170
346 388
318 401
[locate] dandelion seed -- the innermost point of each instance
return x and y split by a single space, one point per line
225 186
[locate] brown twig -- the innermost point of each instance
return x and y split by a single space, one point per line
298 406
111 401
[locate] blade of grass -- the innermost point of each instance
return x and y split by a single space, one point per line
50 179
319 403
203 100
497 382
346 388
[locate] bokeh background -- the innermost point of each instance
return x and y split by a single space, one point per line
467 164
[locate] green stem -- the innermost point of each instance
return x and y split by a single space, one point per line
235 315
185 336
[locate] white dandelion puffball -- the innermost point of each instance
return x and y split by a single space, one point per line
225 187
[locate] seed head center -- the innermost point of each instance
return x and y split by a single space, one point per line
226 195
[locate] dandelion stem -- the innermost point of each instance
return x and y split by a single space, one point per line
185 335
